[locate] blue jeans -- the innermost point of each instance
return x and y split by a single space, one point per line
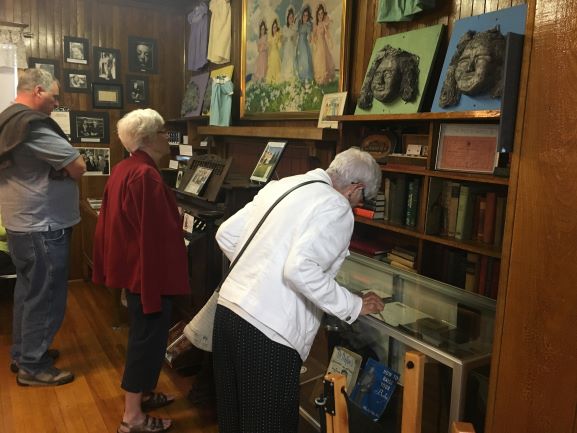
41 261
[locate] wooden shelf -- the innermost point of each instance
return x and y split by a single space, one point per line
186 119
469 246
452 115
287 132
454 175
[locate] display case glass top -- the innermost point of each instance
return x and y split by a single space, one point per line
424 311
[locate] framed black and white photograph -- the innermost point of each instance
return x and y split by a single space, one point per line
76 81
105 95
106 64
89 127
137 89
97 160
76 50
142 55
49 65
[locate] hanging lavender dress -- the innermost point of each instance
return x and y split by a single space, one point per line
198 40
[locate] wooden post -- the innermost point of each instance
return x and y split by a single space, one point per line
414 377
339 421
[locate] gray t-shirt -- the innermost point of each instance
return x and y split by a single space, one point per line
31 200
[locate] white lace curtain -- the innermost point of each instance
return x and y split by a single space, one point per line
12 47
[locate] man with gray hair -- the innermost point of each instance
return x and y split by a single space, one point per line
39 170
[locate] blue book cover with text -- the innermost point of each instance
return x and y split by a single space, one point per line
374 388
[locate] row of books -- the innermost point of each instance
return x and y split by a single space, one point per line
375 385
466 212
473 272
397 204
401 258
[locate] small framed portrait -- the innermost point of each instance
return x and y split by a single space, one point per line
76 81
49 65
142 55
333 105
105 95
106 64
89 127
137 89
76 50
97 160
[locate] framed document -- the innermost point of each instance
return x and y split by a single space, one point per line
268 161
468 147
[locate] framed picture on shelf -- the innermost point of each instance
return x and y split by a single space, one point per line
89 127
142 55
97 160
106 64
106 95
333 105
76 80
282 76
198 180
137 89
49 65
469 148
76 50
268 161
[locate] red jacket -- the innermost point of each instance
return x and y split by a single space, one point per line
138 243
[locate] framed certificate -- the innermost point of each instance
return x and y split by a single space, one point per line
468 147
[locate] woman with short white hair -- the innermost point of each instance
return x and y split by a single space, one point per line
138 246
270 306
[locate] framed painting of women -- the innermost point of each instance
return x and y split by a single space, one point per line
293 52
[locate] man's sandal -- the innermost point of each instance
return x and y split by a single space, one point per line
149 425
155 400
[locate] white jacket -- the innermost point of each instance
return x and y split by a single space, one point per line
286 276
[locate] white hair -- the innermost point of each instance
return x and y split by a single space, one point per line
356 166
138 128
30 78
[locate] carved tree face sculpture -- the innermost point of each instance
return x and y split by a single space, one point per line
475 72
387 79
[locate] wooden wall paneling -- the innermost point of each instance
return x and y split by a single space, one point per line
534 375
491 5
478 7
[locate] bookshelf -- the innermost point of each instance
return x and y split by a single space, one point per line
467 254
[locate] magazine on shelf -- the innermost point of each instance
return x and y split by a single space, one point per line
346 362
374 389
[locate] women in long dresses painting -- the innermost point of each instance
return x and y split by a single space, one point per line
273 72
291 54
323 63
289 47
303 56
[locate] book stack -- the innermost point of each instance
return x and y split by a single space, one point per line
372 209
367 247
402 258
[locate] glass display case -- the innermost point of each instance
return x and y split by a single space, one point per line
447 324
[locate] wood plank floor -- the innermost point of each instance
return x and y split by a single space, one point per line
94 350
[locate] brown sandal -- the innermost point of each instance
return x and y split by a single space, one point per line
149 425
155 400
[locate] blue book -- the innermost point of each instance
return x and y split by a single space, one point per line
374 389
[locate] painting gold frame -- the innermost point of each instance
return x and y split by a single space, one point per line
278 95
